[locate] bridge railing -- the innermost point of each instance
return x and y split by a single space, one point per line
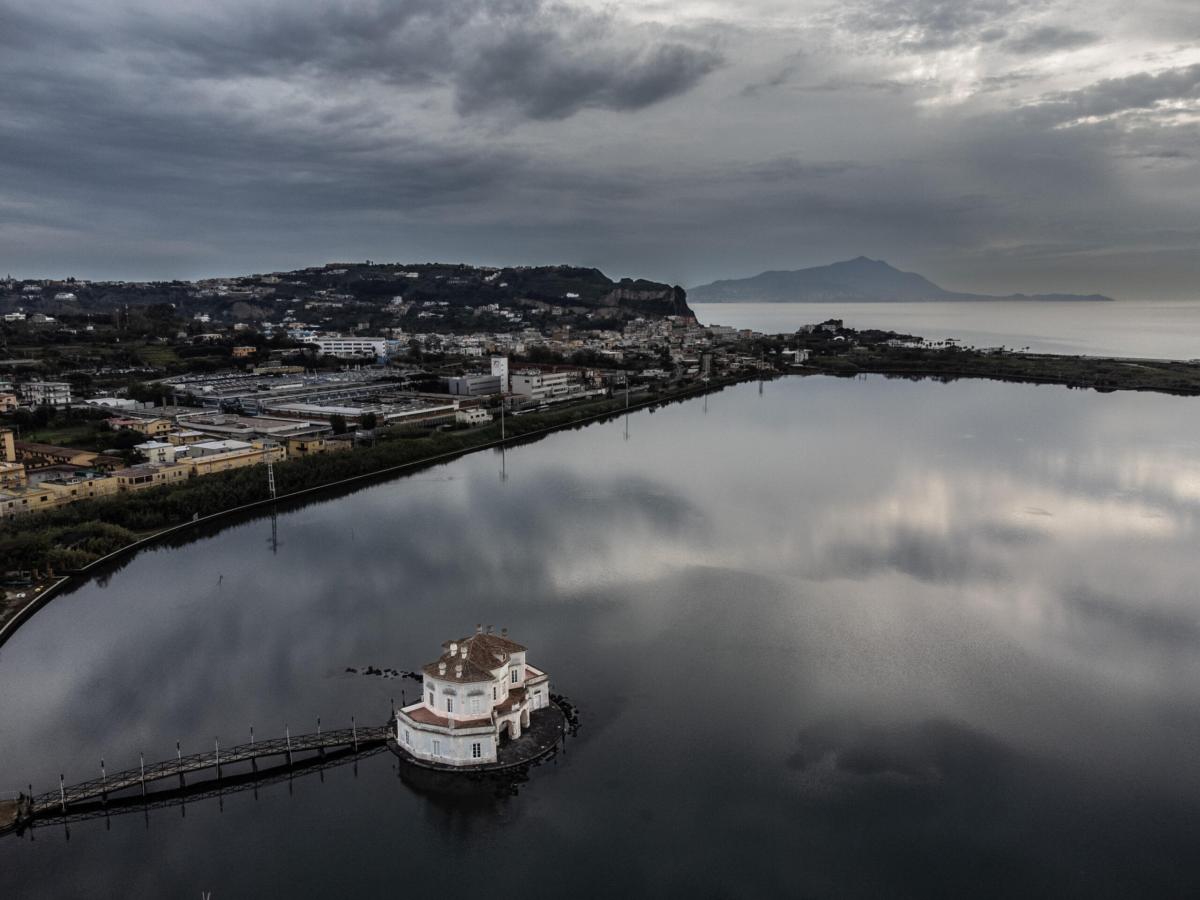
217 758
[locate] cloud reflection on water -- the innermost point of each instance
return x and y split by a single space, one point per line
831 560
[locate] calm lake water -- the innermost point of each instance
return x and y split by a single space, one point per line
849 637
1155 330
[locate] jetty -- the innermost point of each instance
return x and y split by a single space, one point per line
191 774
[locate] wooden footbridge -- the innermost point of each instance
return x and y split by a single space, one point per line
168 780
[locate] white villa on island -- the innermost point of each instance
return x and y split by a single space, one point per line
477 690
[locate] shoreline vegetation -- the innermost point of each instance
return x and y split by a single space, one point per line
1084 372
63 545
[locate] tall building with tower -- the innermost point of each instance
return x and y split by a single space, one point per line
500 368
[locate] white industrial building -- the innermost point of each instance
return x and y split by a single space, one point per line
481 691
474 416
542 386
351 346
474 385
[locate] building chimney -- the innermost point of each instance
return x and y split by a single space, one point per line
441 668
479 629
504 632
453 649
464 651
458 671
489 629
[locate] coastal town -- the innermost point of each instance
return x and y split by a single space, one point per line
112 391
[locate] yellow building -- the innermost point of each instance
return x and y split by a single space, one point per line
80 486
243 352
152 427
9 453
257 453
300 447
8 402
54 492
12 474
185 436
20 501
37 455
140 477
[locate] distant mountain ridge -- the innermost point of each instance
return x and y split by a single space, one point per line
859 280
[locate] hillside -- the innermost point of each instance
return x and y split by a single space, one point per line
425 296
859 280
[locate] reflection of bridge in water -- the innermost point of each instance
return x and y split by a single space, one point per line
144 788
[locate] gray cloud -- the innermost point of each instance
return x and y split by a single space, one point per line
1048 39
160 137
1113 96
534 57
529 72
921 25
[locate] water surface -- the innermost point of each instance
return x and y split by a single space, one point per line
850 637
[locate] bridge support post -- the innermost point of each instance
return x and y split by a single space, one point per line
104 782
287 733
142 762
62 792
354 731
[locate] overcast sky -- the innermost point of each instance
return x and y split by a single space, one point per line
993 145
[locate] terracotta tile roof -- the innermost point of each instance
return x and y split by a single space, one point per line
478 654
467 674
423 715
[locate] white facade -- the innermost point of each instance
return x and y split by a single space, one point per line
473 385
542 386
159 451
500 370
479 693
212 448
351 346
47 393
475 416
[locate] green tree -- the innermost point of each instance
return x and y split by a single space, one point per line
338 422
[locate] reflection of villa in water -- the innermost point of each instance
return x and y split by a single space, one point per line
479 693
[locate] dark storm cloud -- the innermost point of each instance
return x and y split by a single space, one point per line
1113 96
172 138
527 71
921 25
540 59
1049 39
